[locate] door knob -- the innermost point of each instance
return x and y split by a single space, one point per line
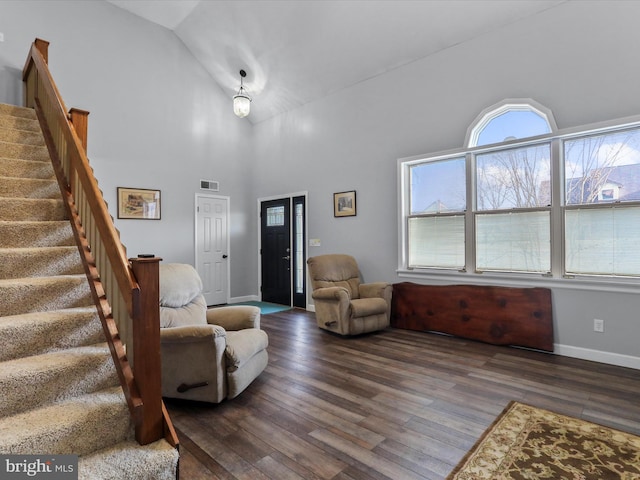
286 258
225 256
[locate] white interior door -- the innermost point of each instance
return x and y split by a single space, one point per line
212 247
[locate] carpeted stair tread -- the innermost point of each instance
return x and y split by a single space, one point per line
23 151
16 187
15 234
39 262
26 295
78 425
24 137
20 123
20 209
17 111
128 460
43 332
31 382
15 167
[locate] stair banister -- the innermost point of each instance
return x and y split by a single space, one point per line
126 292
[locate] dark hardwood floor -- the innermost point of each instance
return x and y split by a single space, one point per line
393 405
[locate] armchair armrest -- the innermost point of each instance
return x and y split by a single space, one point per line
193 362
190 333
376 289
332 307
236 317
339 294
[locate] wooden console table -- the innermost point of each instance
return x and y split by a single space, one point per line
496 315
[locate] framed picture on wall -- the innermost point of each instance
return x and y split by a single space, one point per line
138 203
344 204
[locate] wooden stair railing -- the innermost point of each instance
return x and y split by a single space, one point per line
126 292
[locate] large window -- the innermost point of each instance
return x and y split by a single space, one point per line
524 198
436 223
512 213
602 216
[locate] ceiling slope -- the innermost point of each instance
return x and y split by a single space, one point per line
296 52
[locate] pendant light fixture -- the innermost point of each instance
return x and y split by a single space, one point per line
241 101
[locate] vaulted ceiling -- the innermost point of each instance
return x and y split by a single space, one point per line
296 52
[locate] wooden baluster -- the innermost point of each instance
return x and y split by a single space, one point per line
146 347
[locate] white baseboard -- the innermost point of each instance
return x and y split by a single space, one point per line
246 298
598 356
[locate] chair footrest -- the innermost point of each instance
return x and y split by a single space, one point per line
183 387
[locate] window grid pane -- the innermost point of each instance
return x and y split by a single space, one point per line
275 216
514 242
436 241
603 241
602 168
514 178
438 186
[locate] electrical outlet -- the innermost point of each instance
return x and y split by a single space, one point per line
598 325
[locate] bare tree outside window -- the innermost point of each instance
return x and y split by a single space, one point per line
592 162
515 178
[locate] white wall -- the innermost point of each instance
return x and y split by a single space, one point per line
577 59
157 119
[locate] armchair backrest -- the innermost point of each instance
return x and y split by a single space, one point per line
181 299
335 270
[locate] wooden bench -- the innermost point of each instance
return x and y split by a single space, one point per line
496 315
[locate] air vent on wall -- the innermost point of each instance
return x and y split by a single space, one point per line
211 185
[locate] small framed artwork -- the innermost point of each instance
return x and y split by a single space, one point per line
344 204
138 203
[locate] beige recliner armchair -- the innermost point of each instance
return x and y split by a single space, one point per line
207 355
343 304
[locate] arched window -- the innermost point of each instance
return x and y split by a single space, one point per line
510 120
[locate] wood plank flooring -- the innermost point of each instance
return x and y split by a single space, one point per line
392 405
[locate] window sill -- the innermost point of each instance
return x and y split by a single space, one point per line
613 285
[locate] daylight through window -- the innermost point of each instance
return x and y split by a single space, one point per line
494 207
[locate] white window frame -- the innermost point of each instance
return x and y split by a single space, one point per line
509 105
452 213
556 277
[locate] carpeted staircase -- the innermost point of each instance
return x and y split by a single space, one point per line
59 391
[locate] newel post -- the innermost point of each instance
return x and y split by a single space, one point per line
80 122
146 347
43 47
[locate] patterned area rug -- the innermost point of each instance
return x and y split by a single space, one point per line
527 443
